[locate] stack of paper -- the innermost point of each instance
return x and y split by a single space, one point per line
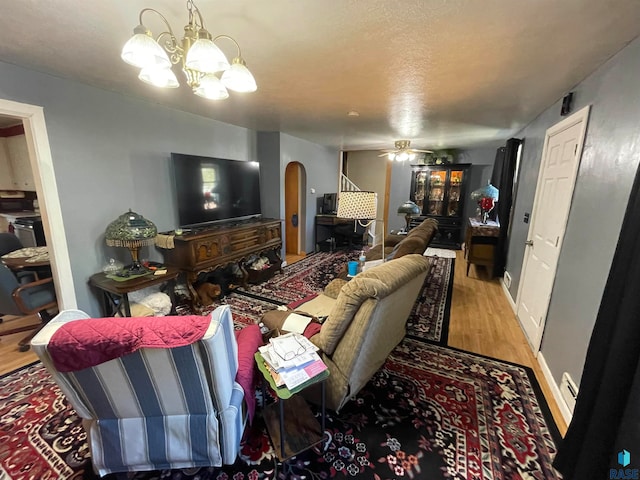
292 359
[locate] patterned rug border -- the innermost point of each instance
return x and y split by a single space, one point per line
544 405
444 334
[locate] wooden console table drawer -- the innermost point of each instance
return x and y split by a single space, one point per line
216 246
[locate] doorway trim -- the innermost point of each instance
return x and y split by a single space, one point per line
41 162
581 116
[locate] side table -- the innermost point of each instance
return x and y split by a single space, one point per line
291 424
115 298
480 242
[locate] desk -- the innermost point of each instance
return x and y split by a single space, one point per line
480 243
115 296
325 226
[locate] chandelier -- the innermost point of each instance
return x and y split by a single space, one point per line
201 59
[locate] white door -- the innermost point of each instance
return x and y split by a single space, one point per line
558 169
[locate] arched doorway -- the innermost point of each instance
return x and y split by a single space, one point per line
294 208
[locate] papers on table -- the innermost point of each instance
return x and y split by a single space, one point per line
296 323
293 359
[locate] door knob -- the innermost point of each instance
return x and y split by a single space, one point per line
529 243
294 220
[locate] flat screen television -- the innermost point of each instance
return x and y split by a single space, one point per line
212 190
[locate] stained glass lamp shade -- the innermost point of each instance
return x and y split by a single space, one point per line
133 231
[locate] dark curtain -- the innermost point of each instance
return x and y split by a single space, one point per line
607 413
504 169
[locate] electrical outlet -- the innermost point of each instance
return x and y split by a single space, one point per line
507 279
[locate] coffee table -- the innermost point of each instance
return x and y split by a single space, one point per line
290 422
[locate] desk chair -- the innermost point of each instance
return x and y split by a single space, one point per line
24 299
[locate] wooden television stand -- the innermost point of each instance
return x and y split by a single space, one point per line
216 246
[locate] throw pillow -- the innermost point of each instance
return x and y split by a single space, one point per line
333 288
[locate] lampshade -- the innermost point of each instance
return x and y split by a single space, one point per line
131 230
205 56
159 77
408 208
488 191
238 77
358 205
212 88
143 51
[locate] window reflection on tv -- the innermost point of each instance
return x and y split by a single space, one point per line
215 189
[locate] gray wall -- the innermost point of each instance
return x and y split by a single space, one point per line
320 173
111 153
608 166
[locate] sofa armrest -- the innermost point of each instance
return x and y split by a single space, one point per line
391 240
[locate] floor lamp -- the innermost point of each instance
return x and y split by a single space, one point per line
361 206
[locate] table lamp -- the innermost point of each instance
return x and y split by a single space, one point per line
486 197
410 210
359 205
131 230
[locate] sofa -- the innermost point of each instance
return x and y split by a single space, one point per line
365 320
416 241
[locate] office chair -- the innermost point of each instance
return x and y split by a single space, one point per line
23 299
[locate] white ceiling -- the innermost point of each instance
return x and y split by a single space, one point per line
442 73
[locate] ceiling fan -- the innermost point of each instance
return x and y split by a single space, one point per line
402 151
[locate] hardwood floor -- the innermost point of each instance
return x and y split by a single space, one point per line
482 322
11 357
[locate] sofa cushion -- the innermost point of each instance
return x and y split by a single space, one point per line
375 283
333 288
410 245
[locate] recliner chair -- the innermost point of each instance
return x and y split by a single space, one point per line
154 408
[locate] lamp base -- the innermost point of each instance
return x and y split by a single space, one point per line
136 269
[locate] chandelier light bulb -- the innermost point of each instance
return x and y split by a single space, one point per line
402 156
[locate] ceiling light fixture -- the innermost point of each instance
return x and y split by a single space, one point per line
403 151
199 56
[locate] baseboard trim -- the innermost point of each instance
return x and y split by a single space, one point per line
555 390
507 294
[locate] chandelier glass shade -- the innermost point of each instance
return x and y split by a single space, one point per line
205 66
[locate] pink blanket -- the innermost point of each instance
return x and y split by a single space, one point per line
87 343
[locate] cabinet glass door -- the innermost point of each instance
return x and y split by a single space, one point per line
420 189
436 193
454 200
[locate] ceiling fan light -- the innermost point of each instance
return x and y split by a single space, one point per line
238 77
392 156
402 156
412 156
205 56
142 51
211 88
159 77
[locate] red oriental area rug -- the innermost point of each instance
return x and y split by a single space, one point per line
430 412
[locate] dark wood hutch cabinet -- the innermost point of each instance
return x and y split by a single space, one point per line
440 192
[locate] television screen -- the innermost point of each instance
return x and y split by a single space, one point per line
214 189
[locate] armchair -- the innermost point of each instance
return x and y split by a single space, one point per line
25 296
153 408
